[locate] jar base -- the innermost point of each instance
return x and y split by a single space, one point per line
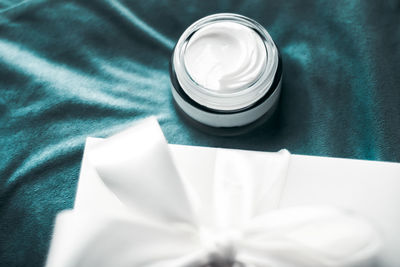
226 131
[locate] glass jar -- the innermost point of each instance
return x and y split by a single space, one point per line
227 108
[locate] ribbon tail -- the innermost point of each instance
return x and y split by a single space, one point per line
247 184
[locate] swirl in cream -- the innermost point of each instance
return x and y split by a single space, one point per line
225 56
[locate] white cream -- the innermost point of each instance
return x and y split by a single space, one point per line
225 71
225 56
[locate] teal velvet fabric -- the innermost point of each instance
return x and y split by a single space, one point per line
72 69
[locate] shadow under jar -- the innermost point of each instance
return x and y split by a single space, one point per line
226 74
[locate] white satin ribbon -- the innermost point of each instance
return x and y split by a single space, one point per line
134 209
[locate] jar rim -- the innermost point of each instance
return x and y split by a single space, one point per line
240 98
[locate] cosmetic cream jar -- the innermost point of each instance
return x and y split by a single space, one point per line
226 71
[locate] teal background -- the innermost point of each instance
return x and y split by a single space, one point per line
71 69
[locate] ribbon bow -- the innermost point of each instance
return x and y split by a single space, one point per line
133 208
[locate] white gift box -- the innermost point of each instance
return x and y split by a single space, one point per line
130 188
